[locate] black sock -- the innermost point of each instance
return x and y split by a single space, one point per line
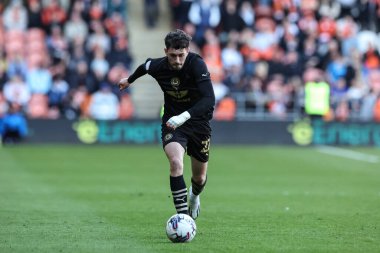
197 188
179 192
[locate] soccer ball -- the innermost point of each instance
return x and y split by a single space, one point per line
181 228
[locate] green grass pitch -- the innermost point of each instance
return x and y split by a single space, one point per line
117 199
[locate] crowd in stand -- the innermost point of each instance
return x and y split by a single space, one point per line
269 49
60 58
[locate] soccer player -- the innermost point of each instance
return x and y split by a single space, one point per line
189 102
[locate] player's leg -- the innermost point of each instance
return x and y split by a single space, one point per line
199 175
198 182
175 152
198 149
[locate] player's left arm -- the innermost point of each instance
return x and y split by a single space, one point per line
205 88
206 102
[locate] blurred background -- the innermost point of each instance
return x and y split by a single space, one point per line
272 62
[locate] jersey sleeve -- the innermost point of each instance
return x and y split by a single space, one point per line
207 101
140 71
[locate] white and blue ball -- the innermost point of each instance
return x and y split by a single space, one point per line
181 228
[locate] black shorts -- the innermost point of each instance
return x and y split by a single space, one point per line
194 137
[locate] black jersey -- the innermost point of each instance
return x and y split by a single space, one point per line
189 89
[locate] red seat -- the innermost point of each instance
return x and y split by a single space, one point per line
14 35
36 46
126 107
13 47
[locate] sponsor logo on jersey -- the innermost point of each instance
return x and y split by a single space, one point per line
178 94
175 82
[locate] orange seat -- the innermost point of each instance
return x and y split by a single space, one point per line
15 46
38 107
35 34
36 46
126 107
226 109
14 35
376 111
2 37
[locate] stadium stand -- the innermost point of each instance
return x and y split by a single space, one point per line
56 55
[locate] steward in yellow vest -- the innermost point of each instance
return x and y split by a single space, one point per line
317 98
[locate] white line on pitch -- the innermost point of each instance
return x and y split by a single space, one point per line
354 155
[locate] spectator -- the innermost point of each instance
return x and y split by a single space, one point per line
58 94
75 27
211 53
204 14
256 96
77 54
370 15
34 14
230 17
342 111
13 126
120 51
283 9
81 76
117 6
349 7
277 97
16 65
39 79
265 38
15 16
309 54
96 12
117 72
17 91
104 104
53 14
115 25
79 100
329 8
247 13
98 39
99 66
293 65
368 105
57 43
231 57
336 69
347 31
371 58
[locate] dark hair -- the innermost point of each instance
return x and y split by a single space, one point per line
177 39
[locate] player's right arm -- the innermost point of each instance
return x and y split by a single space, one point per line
139 72
123 83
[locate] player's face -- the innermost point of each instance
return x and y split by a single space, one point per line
176 57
